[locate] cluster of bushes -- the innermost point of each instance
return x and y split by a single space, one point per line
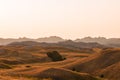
55 56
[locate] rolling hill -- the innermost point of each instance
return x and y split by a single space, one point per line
106 62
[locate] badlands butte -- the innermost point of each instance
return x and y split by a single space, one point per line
54 58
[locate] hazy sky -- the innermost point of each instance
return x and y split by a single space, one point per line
65 18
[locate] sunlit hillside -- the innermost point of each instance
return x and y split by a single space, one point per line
28 62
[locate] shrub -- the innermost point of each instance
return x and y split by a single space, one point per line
73 69
55 56
101 76
27 66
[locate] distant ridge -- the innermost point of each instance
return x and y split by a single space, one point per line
66 44
112 42
51 39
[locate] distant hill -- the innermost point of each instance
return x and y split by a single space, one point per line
111 42
51 39
67 44
114 42
72 46
24 43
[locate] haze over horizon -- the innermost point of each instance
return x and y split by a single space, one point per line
69 19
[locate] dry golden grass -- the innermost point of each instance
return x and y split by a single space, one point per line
112 72
107 62
54 73
29 63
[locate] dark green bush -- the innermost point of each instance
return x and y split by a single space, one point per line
55 56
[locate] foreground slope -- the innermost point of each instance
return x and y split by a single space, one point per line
112 72
107 61
54 73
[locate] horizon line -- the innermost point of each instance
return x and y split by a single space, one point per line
58 37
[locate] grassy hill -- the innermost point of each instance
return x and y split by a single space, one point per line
32 63
105 63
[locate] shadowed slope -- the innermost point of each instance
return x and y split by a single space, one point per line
97 62
63 74
111 72
56 74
